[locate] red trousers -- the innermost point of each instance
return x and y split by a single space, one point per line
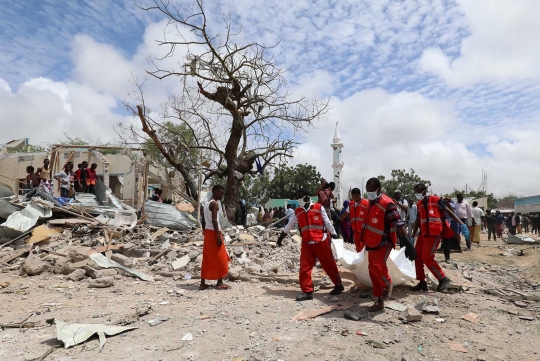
425 249
378 270
309 254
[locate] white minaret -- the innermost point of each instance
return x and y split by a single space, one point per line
338 166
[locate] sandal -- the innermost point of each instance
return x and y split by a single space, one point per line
387 293
377 306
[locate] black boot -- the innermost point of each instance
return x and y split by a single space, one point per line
443 284
421 286
337 290
305 296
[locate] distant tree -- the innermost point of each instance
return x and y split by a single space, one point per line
287 180
403 181
507 201
282 184
26 148
85 141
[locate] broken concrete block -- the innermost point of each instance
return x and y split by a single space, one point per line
254 268
91 272
257 228
420 305
355 316
396 306
172 255
33 266
76 256
235 272
123 260
77 275
431 309
193 254
101 282
181 262
247 237
62 266
104 273
296 238
413 315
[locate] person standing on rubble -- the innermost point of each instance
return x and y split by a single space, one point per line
91 178
32 180
44 176
215 262
316 230
379 226
432 223
64 177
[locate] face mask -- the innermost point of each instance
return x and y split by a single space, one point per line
372 195
419 196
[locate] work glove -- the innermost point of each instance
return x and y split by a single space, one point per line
410 252
280 239
335 236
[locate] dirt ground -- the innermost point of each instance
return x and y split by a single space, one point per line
253 320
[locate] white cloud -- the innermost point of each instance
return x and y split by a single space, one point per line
383 131
101 66
43 111
503 45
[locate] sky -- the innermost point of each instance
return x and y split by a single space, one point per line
449 88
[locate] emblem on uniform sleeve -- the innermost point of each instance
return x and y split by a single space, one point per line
374 220
316 218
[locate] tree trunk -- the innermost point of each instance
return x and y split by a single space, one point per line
232 191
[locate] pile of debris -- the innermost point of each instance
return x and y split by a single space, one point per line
102 240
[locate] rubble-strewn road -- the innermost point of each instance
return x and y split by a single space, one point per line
252 321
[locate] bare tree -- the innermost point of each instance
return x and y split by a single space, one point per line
235 101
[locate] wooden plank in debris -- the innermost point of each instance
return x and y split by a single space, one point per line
71 222
16 254
160 232
104 248
42 233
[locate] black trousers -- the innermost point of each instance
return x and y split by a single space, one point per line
446 247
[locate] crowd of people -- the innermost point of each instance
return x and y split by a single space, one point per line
375 223
83 180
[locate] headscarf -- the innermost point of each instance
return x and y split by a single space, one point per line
345 206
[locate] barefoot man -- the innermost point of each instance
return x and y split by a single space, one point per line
215 262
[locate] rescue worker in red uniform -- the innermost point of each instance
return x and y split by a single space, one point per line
355 212
430 220
380 226
316 231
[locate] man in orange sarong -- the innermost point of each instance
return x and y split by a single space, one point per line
215 262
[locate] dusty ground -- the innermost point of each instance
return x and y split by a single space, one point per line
252 321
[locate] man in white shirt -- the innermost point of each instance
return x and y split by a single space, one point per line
479 218
402 205
315 230
413 213
64 178
464 213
